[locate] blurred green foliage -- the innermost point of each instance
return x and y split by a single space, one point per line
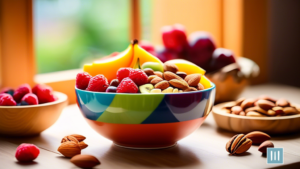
69 33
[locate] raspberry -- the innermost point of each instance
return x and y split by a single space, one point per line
43 93
123 72
127 86
27 152
21 91
29 99
98 83
138 76
82 80
8 91
7 100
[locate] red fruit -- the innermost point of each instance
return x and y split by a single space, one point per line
44 93
127 86
29 99
21 91
165 54
8 90
147 46
221 57
202 47
27 152
7 100
122 73
138 76
82 80
98 83
174 37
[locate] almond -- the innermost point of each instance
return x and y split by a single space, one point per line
282 103
238 144
181 74
169 76
170 67
190 89
271 112
290 110
175 90
69 138
159 74
264 97
236 110
200 86
181 84
168 90
82 145
239 101
258 137
78 137
254 114
156 80
263 147
278 110
151 77
247 103
256 109
162 85
85 161
69 149
242 113
193 79
265 104
148 71
229 105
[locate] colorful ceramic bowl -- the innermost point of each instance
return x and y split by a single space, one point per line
145 120
31 120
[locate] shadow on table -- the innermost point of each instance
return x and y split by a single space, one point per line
177 156
26 163
289 166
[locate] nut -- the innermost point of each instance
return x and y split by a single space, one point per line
168 90
264 97
82 145
169 76
180 91
193 79
278 110
162 85
265 104
115 82
229 105
247 103
78 137
181 74
175 90
236 110
181 84
170 67
258 137
271 112
290 110
85 161
69 138
159 74
226 111
190 89
200 86
254 114
155 91
242 113
156 80
240 101
151 77
69 149
282 103
238 144
263 147
148 71
256 109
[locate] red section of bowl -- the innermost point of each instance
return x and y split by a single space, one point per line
146 135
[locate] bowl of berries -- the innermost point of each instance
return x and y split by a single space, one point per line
229 73
28 111
149 106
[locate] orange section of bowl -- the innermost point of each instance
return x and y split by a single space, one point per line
146 135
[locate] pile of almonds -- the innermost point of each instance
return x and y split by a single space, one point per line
240 143
172 81
71 147
262 106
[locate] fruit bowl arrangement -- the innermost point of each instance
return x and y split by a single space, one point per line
137 101
27 112
229 73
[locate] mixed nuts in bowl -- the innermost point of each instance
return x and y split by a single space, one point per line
273 116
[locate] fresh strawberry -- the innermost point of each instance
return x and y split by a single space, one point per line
98 83
127 86
138 76
21 91
82 80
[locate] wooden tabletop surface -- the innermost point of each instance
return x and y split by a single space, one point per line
205 148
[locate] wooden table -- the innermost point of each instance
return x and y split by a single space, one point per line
205 148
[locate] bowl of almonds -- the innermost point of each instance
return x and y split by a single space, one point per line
266 114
